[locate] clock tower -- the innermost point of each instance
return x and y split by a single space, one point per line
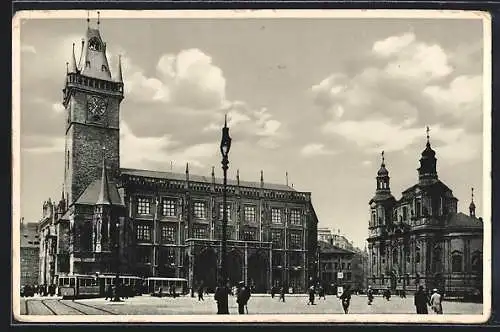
91 97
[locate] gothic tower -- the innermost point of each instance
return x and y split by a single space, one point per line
92 98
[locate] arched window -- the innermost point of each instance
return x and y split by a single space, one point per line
417 255
395 256
456 262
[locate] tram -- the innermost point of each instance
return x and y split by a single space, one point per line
165 286
132 285
78 286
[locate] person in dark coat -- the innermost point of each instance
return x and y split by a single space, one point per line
369 294
109 292
346 299
200 293
273 291
421 301
311 295
282 293
321 292
242 297
221 296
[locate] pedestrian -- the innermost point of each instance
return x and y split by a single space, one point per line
322 292
346 299
436 302
369 294
273 290
387 294
200 293
282 293
242 297
311 295
221 294
109 292
421 301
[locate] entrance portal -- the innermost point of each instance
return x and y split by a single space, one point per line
234 267
205 269
258 270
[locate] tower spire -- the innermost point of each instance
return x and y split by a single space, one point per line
286 178
104 196
73 60
225 120
428 130
120 75
472 206
383 158
98 19
88 19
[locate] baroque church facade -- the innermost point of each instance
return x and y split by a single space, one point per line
421 239
164 224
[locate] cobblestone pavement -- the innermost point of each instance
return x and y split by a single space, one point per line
258 304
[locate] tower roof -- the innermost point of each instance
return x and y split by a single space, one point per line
428 151
104 196
382 170
93 61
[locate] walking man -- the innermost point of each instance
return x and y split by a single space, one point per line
311 295
282 293
346 299
221 294
421 301
369 294
200 293
242 297
436 302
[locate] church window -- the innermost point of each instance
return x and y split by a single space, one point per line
143 232
395 256
417 255
477 262
168 233
295 217
228 211
250 213
276 216
456 262
200 210
168 207
295 240
418 207
277 238
143 205
374 217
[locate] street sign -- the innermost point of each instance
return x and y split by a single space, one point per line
340 275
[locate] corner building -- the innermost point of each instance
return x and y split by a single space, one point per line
421 239
162 223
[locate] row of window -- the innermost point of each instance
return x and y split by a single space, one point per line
168 209
336 265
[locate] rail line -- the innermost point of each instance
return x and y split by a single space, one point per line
89 306
47 306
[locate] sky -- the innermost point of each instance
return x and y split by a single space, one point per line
317 98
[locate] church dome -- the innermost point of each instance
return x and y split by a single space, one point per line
428 152
382 171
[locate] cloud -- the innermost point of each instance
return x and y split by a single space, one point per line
411 58
37 144
316 149
28 49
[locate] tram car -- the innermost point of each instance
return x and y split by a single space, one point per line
132 285
166 286
78 286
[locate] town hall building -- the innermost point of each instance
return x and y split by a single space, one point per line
164 224
421 239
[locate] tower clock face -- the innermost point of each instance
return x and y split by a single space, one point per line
96 106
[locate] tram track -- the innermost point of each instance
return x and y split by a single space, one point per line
48 307
89 306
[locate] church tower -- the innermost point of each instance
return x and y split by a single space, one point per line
91 98
472 206
427 172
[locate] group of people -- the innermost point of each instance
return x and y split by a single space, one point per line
422 301
42 290
243 294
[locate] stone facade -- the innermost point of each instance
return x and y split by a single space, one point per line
29 253
421 239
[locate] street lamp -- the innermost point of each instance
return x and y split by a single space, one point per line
117 276
225 146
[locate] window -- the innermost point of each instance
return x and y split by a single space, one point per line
168 207
417 255
144 256
250 213
168 233
295 240
395 256
228 211
336 265
276 216
343 266
418 207
277 259
143 232
374 217
277 238
348 266
405 213
348 276
250 234
456 262
200 210
143 205
295 217
199 232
